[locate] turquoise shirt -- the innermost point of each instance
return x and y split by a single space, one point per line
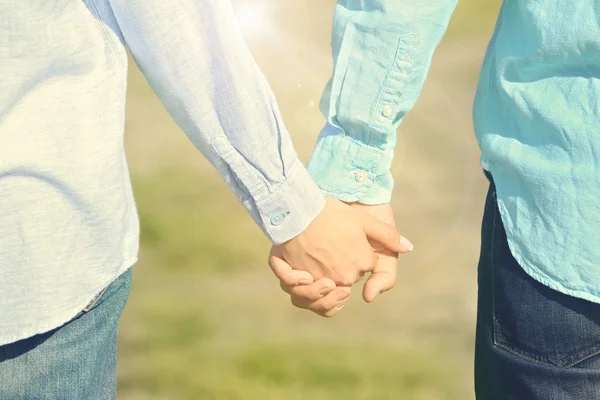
536 118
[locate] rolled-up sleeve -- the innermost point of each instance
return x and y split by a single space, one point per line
382 51
196 60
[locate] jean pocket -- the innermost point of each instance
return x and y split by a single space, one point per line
534 321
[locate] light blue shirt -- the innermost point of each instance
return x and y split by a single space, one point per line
68 220
536 115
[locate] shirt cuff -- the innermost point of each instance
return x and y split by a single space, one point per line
352 171
286 210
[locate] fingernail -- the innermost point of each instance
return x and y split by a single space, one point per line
324 291
404 242
304 281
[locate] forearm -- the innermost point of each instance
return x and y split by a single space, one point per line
382 51
196 60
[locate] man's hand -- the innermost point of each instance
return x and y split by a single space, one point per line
336 244
383 276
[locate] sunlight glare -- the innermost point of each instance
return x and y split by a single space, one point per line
252 18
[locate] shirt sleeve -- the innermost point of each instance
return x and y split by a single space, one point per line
195 59
382 51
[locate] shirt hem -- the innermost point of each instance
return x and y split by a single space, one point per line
58 322
531 270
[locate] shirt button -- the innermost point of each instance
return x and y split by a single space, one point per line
277 219
361 176
387 111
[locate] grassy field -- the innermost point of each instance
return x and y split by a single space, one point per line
207 320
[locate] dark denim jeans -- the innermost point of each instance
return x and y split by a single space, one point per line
74 362
533 343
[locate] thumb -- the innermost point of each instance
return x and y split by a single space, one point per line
382 279
385 234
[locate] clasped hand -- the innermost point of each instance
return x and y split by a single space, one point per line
343 243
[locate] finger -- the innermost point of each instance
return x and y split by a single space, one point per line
382 279
312 292
284 271
385 234
331 312
325 304
335 311
376 246
365 263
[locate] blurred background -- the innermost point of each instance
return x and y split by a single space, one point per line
206 318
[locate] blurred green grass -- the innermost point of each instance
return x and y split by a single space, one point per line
297 370
206 319
191 226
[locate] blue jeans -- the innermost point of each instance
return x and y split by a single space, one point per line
533 343
76 361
